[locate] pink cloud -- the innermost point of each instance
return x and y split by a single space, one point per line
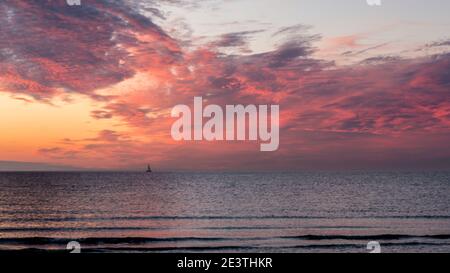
377 113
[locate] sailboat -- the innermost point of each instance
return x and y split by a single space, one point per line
149 170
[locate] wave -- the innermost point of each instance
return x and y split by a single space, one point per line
106 240
138 249
143 228
143 240
212 217
54 229
235 248
288 227
368 237
337 246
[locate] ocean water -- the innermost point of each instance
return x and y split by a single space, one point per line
226 212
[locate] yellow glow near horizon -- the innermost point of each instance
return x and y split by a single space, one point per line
26 127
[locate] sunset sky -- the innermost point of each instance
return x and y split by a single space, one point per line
359 87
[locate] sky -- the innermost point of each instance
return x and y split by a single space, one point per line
92 86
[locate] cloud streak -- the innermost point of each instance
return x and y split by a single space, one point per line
383 111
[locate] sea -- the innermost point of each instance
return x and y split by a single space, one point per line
285 212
